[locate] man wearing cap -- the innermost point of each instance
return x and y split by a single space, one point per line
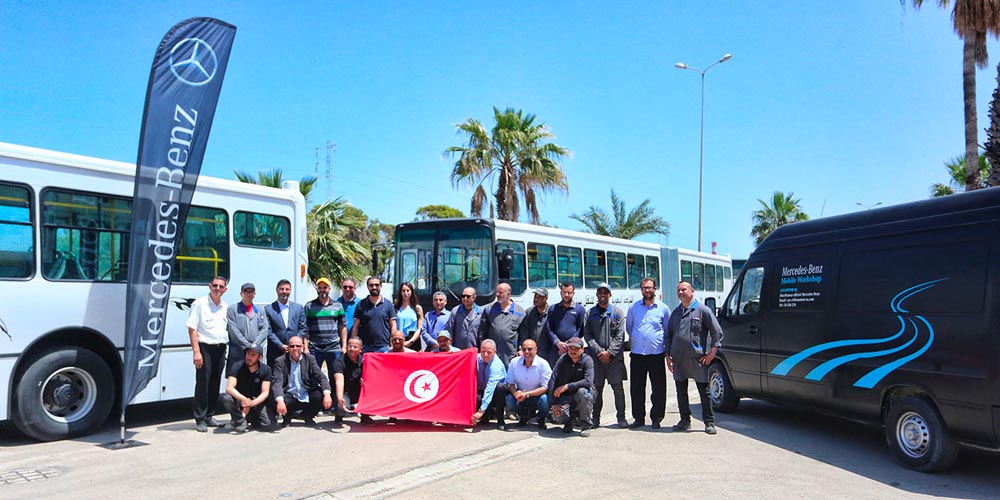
444 343
286 319
326 328
565 321
206 327
490 389
246 324
464 320
535 325
299 384
646 323
500 322
435 321
604 335
374 319
528 384
248 387
571 388
692 341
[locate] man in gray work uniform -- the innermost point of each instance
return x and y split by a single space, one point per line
692 340
604 334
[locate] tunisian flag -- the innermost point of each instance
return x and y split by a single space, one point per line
433 387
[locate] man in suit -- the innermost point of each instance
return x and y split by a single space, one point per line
287 320
299 384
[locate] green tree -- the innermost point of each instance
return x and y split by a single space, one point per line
334 252
957 175
621 224
972 20
516 155
273 178
992 147
438 212
783 209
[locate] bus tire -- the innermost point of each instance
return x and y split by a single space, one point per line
720 389
916 434
63 393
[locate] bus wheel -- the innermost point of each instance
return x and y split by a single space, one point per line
63 393
720 389
916 434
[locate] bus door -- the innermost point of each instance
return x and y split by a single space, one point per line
743 327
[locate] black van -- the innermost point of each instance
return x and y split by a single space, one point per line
889 315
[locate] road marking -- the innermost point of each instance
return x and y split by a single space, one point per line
423 475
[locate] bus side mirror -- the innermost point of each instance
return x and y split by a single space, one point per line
505 261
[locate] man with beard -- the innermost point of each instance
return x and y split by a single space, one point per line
571 388
287 319
605 334
565 322
535 325
499 323
326 328
646 323
374 319
435 321
299 384
248 388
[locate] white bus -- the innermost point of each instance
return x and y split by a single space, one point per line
451 254
64 236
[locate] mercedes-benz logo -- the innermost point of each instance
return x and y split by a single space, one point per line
193 61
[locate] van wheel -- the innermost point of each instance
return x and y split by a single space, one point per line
65 392
916 434
720 389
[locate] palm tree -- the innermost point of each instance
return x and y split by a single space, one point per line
333 253
273 178
973 20
515 153
641 220
956 171
784 209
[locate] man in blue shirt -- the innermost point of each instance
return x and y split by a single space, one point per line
566 320
348 300
646 323
490 387
435 321
374 319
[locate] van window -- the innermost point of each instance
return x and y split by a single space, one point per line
745 298
17 256
541 265
518 279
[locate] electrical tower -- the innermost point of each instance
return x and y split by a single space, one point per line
330 149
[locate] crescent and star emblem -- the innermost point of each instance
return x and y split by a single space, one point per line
421 386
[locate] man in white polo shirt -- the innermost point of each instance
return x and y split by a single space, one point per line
207 329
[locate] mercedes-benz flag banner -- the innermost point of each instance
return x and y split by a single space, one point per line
431 387
181 96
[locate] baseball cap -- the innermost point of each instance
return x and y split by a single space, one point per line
445 334
604 286
255 347
324 281
575 342
541 291
247 286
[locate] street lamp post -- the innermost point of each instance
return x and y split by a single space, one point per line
868 207
701 157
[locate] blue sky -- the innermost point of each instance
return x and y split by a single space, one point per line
838 102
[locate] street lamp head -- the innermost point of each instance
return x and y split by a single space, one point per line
681 65
726 58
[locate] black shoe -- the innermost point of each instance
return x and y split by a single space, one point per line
585 431
683 425
212 422
339 419
568 428
501 427
655 424
597 423
622 423
367 421
637 423
240 427
392 420
285 421
200 426
541 424
522 422
710 428
310 421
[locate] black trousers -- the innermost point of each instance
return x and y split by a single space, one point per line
684 405
308 409
207 380
496 405
654 366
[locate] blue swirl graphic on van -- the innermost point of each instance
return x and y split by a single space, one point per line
908 323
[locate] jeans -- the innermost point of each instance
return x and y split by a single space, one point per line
707 416
329 357
530 406
374 348
578 404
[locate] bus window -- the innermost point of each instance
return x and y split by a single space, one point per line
17 258
686 271
262 230
653 268
728 272
415 251
594 271
570 266
518 280
699 276
84 236
709 278
616 270
720 284
204 247
636 270
465 259
541 265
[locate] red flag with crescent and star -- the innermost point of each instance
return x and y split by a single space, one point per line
431 387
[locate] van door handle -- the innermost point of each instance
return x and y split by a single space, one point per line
754 330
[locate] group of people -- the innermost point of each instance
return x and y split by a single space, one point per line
547 364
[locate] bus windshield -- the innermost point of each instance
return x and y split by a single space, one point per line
445 258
